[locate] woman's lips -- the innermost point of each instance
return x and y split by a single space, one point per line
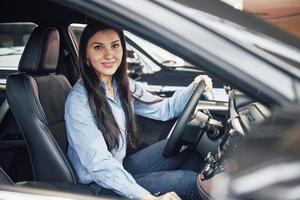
108 64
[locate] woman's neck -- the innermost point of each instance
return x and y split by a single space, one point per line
109 86
107 80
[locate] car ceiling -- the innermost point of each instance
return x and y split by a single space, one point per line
47 12
40 12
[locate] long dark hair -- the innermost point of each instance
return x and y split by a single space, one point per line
101 110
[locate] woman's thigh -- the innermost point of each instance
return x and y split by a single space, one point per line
183 182
150 159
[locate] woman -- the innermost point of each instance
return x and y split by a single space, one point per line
99 115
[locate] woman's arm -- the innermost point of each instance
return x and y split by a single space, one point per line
167 108
89 144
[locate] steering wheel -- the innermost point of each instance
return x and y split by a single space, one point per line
178 130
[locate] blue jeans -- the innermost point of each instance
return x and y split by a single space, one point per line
156 173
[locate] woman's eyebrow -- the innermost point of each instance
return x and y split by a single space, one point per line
115 41
97 43
103 44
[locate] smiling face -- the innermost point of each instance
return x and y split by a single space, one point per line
104 51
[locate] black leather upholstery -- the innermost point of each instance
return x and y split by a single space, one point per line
4 179
37 99
40 55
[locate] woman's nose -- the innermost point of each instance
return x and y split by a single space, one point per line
108 53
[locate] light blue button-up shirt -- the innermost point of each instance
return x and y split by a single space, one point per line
87 149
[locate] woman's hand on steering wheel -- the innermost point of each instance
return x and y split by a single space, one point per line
206 79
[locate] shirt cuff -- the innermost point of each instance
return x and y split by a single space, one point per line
137 193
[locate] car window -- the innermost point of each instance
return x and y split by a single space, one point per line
13 38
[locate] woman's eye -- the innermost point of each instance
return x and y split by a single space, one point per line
98 47
115 45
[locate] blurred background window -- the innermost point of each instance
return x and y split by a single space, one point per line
282 13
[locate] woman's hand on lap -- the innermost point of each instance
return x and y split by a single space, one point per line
167 196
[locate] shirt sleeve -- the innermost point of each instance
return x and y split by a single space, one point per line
89 144
167 108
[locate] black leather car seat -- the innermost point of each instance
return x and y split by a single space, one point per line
36 96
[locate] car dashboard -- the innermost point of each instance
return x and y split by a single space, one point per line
243 114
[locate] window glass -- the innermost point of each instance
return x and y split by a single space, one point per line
13 38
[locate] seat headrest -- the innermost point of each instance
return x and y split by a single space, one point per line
41 52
